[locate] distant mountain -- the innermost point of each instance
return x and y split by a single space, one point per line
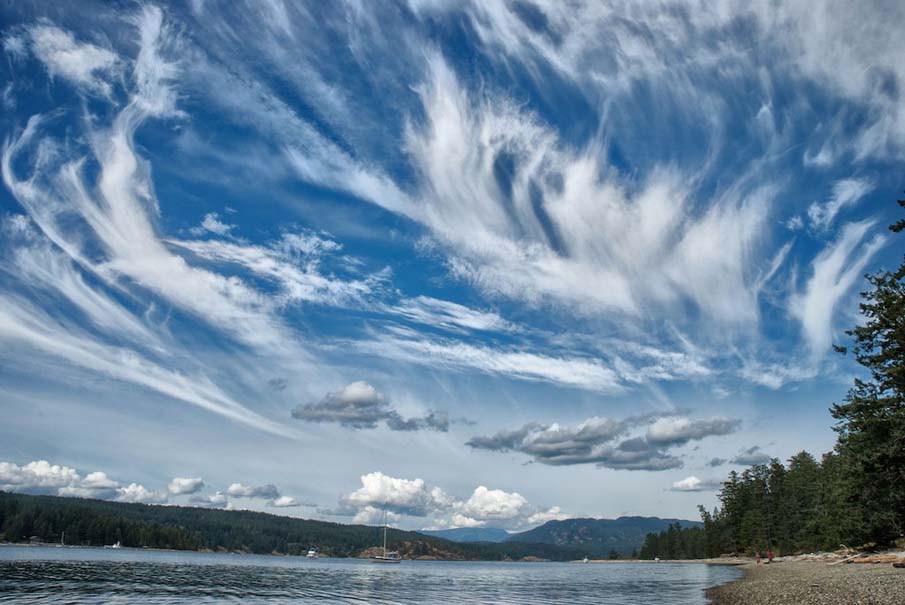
598 536
469 534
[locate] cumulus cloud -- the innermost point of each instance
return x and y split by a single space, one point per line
216 500
404 496
493 504
693 484
137 493
751 456
460 520
484 506
360 406
714 462
677 430
370 515
266 492
42 477
596 441
185 485
39 474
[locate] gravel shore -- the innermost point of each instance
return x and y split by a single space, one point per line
812 583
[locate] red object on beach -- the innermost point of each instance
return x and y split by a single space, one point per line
757 558
769 556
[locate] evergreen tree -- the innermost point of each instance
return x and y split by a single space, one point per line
871 421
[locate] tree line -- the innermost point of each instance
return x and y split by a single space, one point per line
854 495
82 522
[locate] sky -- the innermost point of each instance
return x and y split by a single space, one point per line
482 264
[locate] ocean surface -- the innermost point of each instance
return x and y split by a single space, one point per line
33 574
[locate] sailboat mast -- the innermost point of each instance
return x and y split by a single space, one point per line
384 532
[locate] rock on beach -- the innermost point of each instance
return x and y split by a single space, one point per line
814 583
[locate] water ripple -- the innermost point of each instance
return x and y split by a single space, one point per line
87 576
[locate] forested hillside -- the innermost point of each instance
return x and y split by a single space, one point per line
601 537
99 523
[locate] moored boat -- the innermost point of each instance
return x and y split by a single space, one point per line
386 557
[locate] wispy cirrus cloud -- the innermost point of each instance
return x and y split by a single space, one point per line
835 271
846 192
412 347
82 63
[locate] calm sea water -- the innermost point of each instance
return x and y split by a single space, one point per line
85 575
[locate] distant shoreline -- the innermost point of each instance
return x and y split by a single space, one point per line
733 561
729 561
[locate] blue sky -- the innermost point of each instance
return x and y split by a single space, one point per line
487 263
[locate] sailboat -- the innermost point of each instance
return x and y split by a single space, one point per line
386 557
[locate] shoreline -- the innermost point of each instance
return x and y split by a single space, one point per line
728 561
812 582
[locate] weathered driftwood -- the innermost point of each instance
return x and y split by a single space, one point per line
846 559
879 559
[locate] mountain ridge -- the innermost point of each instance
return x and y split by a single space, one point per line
599 537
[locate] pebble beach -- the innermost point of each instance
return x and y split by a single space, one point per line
813 583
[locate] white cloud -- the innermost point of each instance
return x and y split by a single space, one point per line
185 485
605 442
360 406
494 504
679 429
460 520
443 313
485 506
370 515
846 192
836 270
212 224
21 323
37 474
795 223
239 490
554 513
284 502
40 476
407 496
77 62
293 264
417 348
137 493
217 500
693 484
